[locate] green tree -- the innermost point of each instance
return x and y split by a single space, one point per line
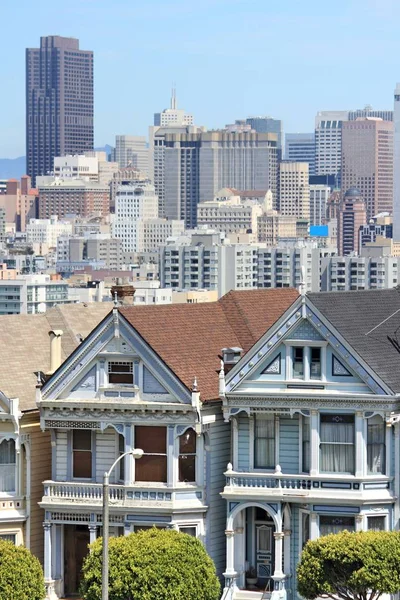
156 564
351 566
21 575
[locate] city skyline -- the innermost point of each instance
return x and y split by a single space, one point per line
205 56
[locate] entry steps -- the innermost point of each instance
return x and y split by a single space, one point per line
248 595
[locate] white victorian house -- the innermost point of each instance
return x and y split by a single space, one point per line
314 409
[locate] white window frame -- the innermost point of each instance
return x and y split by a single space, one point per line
17 483
372 513
116 361
252 439
307 345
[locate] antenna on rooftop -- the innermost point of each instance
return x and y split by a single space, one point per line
173 96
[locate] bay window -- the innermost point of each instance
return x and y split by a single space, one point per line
376 447
328 524
187 456
337 443
82 454
264 442
7 466
153 464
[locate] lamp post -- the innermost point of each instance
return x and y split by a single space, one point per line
135 453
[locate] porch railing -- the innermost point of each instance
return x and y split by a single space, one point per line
92 493
279 482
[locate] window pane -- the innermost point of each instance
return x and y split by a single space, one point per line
315 367
187 467
82 467
151 468
121 464
120 378
264 442
306 444
305 524
189 531
152 440
120 372
82 439
8 537
376 448
187 442
298 363
377 523
329 525
337 443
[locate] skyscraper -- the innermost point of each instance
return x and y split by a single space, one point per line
328 142
59 102
300 147
132 150
294 190
351 216
367 162
268 125
173 116
396 166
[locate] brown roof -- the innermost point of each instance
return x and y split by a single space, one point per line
189 337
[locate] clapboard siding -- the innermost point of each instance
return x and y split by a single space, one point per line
243 443
289 444
61 455
105 453
219 455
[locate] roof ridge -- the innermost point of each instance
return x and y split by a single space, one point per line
232 296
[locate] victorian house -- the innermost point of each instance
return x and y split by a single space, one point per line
148 378
314 408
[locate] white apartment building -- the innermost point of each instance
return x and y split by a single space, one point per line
47 231
133 151
92 166
173 116
294 189
31 294
328 141
134 201
153 233
229 214
347 273
319 196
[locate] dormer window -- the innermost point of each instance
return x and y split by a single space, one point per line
120 372
315 363
298 362
305 361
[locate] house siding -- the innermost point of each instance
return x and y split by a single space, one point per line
61 455
105 452
243 443
289 444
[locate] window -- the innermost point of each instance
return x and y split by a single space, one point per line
189 530
305 528
82 454
376 449
264 442
329 524
298 362
315 363
337 444
121 450
8 537
305 439
187 456
7 466
120 372
377 523
153 464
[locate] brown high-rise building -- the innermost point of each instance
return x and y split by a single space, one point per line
367 162
59 102
352 215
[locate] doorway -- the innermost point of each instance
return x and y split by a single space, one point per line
76 541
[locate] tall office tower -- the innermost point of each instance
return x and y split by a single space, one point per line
368 111
173 116
328 142
367 162
59 102
294 189
132 150
396 166
268 125
300 147
244 161
352 216
319 197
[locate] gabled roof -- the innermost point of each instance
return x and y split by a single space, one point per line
370 322
189 337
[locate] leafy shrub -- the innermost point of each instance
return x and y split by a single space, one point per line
21 575
155 564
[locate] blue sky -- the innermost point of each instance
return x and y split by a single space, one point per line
229 59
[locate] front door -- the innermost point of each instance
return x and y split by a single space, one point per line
76 541
264 553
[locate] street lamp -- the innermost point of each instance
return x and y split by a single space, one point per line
136 453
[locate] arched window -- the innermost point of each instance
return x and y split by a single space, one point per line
187 456
376 447
7 466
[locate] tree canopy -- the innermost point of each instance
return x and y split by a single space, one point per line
21 575
351 566
155 564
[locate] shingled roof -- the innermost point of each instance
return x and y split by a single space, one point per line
189 337
370 322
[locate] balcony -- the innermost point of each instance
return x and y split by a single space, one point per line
306 487
87 495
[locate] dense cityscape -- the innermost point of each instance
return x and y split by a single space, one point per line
199 336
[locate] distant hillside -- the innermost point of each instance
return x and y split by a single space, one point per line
12 168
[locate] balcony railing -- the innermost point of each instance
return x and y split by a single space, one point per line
279 483
56 492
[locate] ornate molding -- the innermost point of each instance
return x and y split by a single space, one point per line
311 403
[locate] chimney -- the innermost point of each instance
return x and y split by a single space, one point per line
230 357
124 293
55 350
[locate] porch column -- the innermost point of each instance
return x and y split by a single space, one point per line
48 580
278 573
92 532
230 573
314 529
286 551
359 522
314 426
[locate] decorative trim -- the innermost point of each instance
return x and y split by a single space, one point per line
274 366
338 368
